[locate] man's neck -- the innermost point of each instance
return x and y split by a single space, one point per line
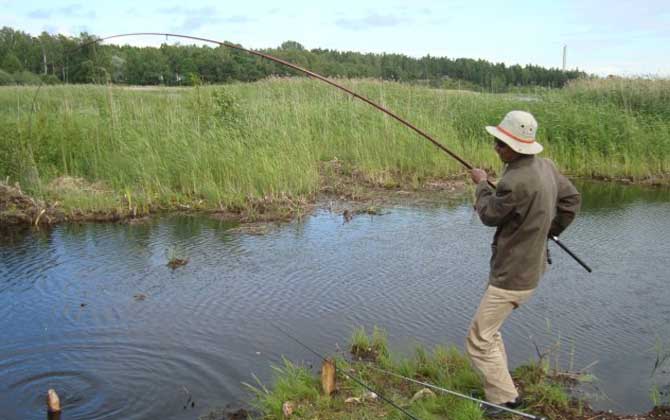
518 159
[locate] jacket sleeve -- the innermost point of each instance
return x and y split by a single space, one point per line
495 207
568 204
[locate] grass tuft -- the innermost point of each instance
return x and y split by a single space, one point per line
291 383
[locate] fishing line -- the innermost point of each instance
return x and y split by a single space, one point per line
350 376
456 394
330 82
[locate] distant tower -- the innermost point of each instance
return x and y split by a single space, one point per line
565 50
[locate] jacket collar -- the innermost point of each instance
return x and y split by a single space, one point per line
523 160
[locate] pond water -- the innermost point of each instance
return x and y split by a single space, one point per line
94 312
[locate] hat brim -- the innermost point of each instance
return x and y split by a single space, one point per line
519 147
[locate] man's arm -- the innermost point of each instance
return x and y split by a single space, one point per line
495 207
568 204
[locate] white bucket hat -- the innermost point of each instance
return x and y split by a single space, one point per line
517 130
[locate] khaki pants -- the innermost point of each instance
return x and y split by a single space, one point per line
485 346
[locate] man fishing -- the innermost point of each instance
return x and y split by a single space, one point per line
531 201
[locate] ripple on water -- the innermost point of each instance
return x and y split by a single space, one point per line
68 309
30 369
99 374
81 393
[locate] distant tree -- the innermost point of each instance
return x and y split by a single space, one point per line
11 63
146 66
118 69
291 45
80 60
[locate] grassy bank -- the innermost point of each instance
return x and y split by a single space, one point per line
544 392
239 145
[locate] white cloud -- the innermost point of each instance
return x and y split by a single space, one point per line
372 20
70 10
195 18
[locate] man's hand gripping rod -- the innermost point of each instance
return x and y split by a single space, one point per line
557 241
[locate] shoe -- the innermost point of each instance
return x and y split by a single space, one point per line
490 411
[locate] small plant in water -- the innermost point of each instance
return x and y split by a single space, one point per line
662 351
175 258
366 348
662 355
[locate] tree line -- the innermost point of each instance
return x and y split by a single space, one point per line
27 59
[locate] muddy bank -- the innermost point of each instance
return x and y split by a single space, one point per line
581 411
18 208
657 413
341 190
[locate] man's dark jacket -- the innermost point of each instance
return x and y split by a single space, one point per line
531 201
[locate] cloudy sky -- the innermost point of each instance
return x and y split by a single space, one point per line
602 36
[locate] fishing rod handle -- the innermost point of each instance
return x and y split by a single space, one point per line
556 240
566 249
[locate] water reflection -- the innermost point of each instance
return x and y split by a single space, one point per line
604 196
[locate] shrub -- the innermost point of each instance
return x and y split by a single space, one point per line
6 78
26 78
50 79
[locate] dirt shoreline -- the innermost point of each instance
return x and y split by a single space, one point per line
341 190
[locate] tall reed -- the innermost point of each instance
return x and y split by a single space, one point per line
226 145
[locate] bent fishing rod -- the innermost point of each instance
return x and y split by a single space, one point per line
338 86
441 389
350 376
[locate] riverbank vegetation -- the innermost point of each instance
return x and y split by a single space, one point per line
255 147
544 391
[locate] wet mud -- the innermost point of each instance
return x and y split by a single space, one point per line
343 191
18 208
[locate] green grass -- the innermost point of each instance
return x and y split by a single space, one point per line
229 146
292 383
632 95
360 339
444 366
366 347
